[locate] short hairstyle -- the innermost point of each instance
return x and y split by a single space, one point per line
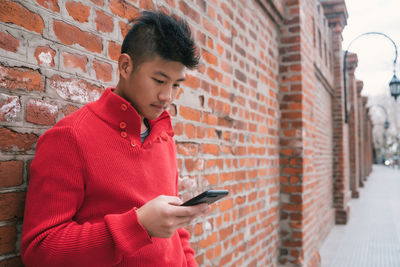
156 33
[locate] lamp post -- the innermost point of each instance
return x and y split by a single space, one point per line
394 84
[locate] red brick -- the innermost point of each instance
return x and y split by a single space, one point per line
187 149
211 178
104 22
189 12
124 28
50 4
225 205
123 9
75 61
20 78
98 2
198 229
114 50
78 11
12 205
8 42
210 27
209 58
189 130
70 35
45 56
75 90
40 112
11 12
146 4
67 110
209 241
189 113
11 173
10 107
214 74
103 70
192 81
210 149
13 141
8 237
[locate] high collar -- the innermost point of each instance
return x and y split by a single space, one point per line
120 114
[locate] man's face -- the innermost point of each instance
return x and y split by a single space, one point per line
152 86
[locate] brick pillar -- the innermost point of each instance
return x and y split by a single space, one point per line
368 144
336 13
351 65
291 150
361 125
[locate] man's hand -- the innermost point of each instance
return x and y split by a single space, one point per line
162 216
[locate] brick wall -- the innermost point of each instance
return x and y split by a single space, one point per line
256 118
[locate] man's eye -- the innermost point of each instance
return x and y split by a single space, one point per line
158 81
176 85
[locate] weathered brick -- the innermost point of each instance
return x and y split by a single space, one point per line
68 109
21 78
14 141
10 107
40 112
114 50
45 56
75 61
11 12
123 9
78 11
189 113
11 173
103 70
70 35
50 4
146 4
8 237
104 22
76 90
8 42
12 262
12 205
190 12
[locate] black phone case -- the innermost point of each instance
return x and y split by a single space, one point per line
209 196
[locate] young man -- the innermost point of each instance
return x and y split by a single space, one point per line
103 187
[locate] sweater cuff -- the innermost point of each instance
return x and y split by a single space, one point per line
128 234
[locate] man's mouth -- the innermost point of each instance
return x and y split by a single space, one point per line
159 107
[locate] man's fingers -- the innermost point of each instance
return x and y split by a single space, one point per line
175 201
190 211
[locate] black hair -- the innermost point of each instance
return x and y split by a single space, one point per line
156 33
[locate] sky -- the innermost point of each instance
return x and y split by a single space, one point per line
375 52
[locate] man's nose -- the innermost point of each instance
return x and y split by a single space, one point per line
166 93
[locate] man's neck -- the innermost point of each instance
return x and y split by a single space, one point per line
143 126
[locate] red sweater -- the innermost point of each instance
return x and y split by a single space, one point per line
90 174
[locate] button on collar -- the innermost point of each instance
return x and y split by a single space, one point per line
124 134
124 107
133 143
122 125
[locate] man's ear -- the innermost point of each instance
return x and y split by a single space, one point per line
125 65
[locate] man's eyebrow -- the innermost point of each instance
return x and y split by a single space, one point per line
167 77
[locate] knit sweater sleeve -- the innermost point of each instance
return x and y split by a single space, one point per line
189 253
51 236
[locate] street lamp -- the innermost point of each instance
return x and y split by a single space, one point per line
394 84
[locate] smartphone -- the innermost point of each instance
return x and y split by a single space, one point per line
209 196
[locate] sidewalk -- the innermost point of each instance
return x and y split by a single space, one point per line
371 238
